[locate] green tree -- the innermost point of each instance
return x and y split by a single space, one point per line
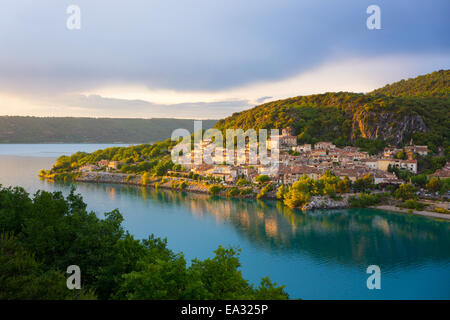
434 185
296 198
262 179
40 237
282 190
420 180
214 189
364 183
405 192
146 178
22 277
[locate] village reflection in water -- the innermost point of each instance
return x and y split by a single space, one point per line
345 236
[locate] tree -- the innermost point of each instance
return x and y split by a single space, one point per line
40 237
420 180
295 198
434 185
364 183
401 155
282 190
214 189
264 191
22 277
343 186
405 192
221 276
242 182
160 169
146 178
262 179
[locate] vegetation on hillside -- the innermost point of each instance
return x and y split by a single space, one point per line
137 159
435 84
41 236
339 116
299 194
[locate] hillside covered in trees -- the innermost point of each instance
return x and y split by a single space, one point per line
90 130
435 84
416 108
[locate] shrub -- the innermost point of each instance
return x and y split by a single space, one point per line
215 189
364 200
441 210
183 185
262 179
413 204
282 190
245 191
146 178
264 191
232 192
242 182
405 192
295 198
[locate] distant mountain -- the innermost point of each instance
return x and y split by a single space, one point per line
417 108
90 130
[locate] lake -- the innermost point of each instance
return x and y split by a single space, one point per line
317 255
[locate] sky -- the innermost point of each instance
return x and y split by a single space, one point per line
206 59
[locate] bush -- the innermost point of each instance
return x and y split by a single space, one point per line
282 190
295 198
413 204
441 210
146 178
262 179
214 189
182 185
242 182
434 185
364 200
246 191
405 192
232 192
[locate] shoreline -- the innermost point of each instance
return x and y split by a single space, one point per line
196 188
424 213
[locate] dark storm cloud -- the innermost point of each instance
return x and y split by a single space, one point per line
201 44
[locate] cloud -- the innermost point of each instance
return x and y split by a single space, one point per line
262 99
205 58
353 74
202 45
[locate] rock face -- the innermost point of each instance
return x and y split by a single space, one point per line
317 202
386 126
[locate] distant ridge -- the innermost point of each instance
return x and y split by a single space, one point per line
16 129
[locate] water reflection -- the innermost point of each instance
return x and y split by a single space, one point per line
346 237
318 255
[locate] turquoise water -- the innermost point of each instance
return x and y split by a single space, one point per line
317 255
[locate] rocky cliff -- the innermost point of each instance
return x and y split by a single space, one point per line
387 126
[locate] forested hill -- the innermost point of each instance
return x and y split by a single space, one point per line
417 108
436 84
90 130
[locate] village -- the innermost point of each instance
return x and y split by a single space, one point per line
295 161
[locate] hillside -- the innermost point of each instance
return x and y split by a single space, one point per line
90 130
417 108
435 84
